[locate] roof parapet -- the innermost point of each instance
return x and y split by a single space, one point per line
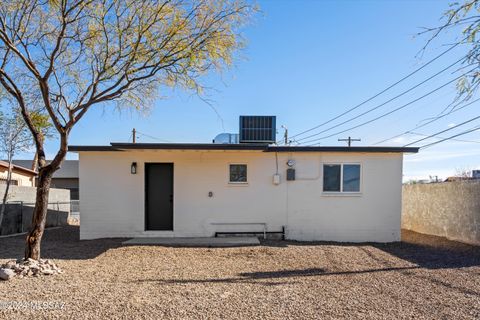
245 146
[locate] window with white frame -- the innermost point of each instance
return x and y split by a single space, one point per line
341 178
238 173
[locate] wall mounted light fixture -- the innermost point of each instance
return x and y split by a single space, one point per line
133 168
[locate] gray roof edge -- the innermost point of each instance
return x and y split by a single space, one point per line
343 149
116 146
191 146
91 148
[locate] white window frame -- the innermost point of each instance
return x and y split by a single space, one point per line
238 183
341 192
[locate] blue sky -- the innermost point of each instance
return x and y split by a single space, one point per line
306 62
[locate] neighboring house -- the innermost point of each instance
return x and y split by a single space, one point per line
65 178
21 176
194 190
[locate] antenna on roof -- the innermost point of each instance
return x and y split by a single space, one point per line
134 135
349 140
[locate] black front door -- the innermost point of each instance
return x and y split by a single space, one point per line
159 196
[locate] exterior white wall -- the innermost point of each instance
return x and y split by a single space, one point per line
112 199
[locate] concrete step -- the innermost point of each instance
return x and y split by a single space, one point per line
196 242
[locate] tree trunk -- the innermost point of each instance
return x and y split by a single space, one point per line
41 139
35 162
5 196
39 217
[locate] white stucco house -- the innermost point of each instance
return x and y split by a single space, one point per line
197 190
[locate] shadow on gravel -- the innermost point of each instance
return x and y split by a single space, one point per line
432 252
61 243
426 251
250 277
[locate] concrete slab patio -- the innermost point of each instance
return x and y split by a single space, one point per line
196 242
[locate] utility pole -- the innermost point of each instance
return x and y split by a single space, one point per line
349 140
134 135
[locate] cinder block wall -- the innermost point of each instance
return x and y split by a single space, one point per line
28 194
18 218
450 210
18 215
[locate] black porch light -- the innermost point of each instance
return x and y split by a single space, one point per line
133 168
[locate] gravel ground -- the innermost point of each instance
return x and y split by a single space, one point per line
423 277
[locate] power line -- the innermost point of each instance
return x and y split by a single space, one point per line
436 137
390 112
382 104
436 134
379 93
428 122
450 138
152 137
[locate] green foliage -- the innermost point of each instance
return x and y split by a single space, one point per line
42 124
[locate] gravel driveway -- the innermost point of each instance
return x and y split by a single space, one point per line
423 278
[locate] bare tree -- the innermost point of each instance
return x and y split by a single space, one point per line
70 55
14 137
463 173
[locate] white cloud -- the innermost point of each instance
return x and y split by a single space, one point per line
399 140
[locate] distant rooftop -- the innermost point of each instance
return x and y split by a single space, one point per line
69 168
18 167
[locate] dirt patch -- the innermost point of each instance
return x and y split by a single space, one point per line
422 277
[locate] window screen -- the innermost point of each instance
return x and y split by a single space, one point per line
331 177
351 178
238 173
